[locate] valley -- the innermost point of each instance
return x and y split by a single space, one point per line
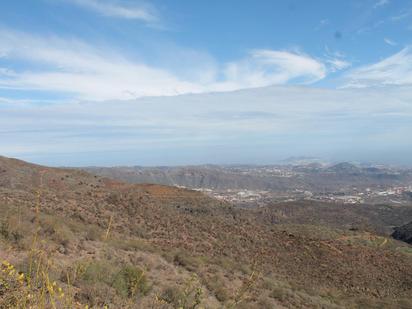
250 185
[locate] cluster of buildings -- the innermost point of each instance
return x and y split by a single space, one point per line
394 195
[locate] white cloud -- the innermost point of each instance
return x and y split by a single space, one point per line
337 64
266 67
71 66
335 60
390 42
96 73
394 70
115 9
381 3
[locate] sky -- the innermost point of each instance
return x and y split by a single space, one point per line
162 82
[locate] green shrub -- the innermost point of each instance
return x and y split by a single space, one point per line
187 297
127 281
55 228
8 233
95 272
4 229
131 281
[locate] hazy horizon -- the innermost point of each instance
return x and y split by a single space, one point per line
72 162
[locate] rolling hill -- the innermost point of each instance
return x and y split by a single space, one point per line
109 243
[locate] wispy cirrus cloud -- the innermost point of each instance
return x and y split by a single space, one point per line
77 68
393 70
118 9
337 64
95 73
381 3
264 67
403 14
335 60
390 42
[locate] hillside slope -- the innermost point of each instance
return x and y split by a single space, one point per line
178 238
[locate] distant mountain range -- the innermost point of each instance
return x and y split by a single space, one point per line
311 176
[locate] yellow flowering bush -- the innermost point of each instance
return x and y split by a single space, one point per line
18 290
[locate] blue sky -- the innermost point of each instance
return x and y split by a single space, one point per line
111 82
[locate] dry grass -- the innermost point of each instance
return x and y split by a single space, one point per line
122 246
